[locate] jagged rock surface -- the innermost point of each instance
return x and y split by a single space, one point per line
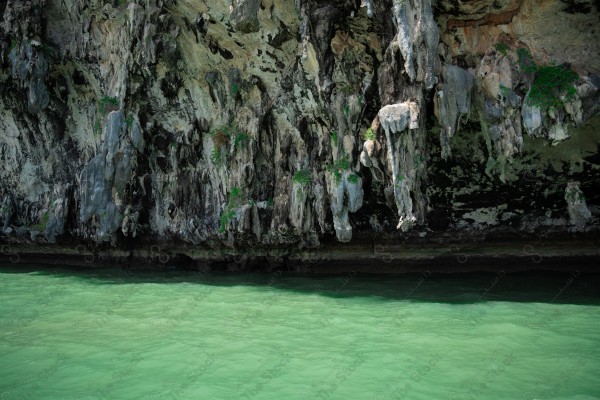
452 102
182 120
579 214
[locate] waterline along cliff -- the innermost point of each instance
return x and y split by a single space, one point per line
226 131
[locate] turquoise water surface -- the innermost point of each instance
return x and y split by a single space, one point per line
106 334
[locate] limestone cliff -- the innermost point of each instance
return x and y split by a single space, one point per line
287 125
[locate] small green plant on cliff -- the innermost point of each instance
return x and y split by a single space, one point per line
369 134
129 121
551 83
45 218
216 157
235 196
226 216
418 160
235 201
334 137
107 104
504 90
526 62
222 136
224 133
302 177
343 164
347 90
97 128
502 48
337 175
235 89
41 226
353 178
240 139
346 110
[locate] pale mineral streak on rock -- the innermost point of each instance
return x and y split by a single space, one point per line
369 5
452 102
402 132
346 197
499 109
417 38
298 205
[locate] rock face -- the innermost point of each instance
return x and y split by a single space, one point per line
578 211
242 123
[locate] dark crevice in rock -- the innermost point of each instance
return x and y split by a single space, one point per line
78 78
282 36
226 54
2 8
170 85
323 18
577 6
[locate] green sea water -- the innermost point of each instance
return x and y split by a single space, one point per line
106 334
